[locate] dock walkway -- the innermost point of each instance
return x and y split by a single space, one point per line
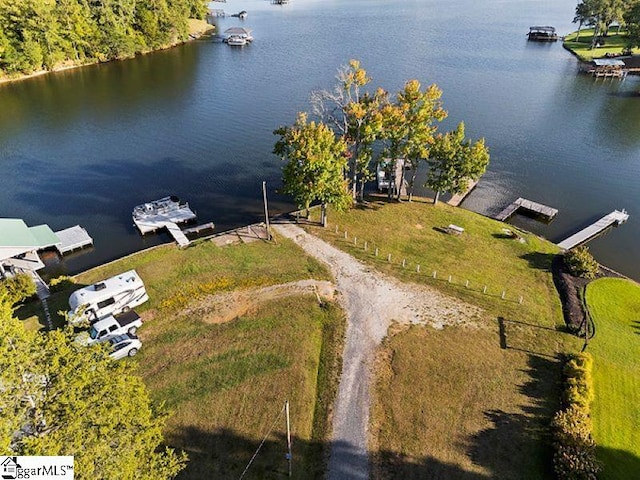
616 217
177 234
522 203
457 199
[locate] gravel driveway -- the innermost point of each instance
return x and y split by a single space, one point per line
371 301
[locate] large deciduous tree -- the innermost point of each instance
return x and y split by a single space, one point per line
585 15
394 132
454 161
316 160
17 288
58 398
632 19
421 109
355 116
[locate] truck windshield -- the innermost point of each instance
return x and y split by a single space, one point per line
93 333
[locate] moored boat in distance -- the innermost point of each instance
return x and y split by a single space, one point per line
237 33
236 41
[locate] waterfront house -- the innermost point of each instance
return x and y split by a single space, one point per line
19 245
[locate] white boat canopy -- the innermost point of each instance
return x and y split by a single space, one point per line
238 31
608 62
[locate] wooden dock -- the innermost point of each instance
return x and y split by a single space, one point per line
152 223
72 238
548 213
199 228
165 213
457 199
177 234
616 217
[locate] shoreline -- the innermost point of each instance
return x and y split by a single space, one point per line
194 34
606 50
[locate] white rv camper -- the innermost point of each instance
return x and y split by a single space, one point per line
109 297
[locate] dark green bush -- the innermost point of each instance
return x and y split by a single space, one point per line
574 448
581 263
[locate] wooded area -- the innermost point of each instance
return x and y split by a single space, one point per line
45 34
601 14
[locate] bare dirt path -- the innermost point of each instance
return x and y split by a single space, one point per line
372 302
225 307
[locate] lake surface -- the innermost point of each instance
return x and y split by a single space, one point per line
85 146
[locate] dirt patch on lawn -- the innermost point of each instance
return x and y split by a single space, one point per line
225 307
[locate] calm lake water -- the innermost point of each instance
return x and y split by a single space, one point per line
85 146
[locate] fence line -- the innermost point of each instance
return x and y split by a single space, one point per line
435 275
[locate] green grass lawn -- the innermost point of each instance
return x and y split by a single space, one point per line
225 386
615 307
225 383
175 277
483 255
472 401
614 43
454 404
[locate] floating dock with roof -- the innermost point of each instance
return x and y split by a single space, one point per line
616 217
548 213
542 34
606 68
73 238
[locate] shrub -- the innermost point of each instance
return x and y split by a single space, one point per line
581 263
63 282
578 382
18 288
574 448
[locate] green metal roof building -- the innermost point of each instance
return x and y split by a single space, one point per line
19 244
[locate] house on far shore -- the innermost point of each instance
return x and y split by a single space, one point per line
19 245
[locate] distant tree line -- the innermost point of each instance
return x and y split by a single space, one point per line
44 34
601 14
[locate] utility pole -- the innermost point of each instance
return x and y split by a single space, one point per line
286 407
266 209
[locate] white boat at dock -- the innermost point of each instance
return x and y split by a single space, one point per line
237 34
236 41
152 216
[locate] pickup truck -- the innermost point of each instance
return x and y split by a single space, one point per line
111 326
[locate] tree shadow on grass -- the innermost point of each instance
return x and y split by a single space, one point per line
539 260
618 463
517 444
506 343
224 454
374 202
514 445
57 302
